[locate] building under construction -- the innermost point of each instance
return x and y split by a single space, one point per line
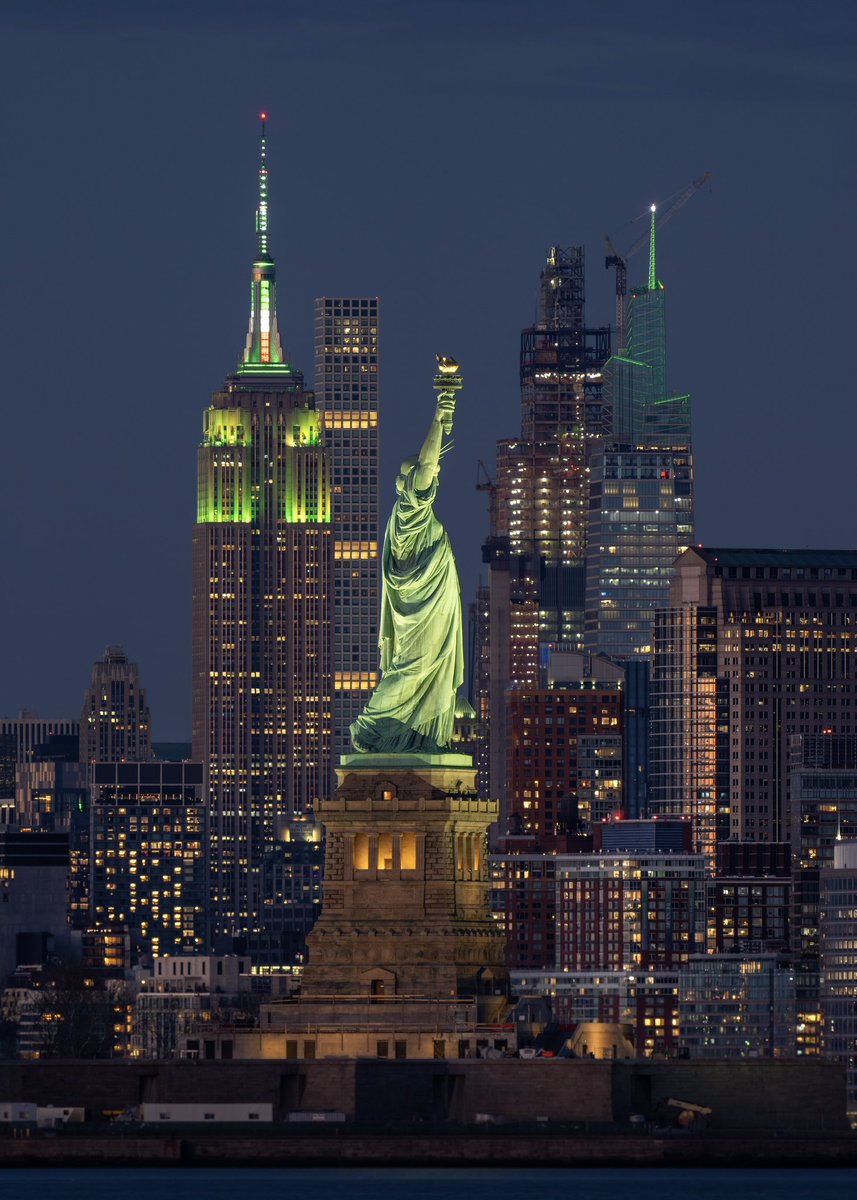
536 549
591 505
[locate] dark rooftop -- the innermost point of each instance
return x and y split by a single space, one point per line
728 557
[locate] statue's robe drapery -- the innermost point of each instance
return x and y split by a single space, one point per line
422 652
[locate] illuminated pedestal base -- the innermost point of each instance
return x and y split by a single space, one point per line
366 763
406 891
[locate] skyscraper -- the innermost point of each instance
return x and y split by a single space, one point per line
115 722
537 542
346 388
640 512
541 477
757 646
262 582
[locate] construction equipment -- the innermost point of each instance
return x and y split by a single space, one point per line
484 483
620 261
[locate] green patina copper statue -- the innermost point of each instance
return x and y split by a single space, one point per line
422 654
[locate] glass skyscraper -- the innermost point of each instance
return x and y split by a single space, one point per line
641 485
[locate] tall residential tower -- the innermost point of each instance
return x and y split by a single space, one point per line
262 668
346 388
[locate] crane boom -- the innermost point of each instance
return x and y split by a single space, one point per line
484 483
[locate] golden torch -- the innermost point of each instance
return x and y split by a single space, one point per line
448 382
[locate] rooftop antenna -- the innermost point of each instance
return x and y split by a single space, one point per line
262 210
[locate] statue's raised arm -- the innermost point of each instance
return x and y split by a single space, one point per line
422 653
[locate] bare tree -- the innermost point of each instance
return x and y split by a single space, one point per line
77 1014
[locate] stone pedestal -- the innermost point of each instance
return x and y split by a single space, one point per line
406 891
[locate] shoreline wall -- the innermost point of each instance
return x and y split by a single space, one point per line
757 1096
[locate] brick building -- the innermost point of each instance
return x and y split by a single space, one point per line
564 759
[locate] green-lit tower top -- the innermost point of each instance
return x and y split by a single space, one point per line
263 353
654 285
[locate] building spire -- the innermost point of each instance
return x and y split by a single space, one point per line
262 210
263 352
653 274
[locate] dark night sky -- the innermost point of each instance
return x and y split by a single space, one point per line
428 153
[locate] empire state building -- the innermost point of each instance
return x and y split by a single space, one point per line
262 582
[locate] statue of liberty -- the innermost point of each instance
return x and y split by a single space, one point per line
422 654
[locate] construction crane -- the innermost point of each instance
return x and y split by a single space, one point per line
484 483
620 261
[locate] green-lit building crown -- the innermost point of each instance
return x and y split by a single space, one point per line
644 411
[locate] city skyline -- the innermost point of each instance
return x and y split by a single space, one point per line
254 846
136 266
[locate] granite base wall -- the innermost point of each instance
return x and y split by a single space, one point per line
794 1096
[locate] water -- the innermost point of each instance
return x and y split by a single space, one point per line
110 1183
